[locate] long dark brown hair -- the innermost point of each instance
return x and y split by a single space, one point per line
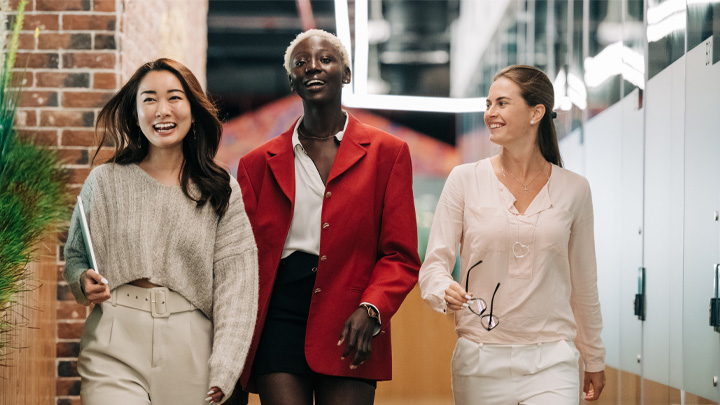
536 88
117 124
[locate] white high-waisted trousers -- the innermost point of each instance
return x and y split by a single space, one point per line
536 374
129 357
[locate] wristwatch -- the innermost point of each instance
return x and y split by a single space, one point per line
371 311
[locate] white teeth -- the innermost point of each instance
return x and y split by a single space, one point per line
493 126
314 82
164 127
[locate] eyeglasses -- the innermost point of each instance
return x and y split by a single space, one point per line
478 306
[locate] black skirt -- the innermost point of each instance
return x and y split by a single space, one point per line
282 344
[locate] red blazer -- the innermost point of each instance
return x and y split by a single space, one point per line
367 254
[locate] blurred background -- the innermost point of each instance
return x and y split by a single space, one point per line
637 90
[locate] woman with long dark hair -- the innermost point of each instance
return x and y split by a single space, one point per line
527 310
332 209
175 293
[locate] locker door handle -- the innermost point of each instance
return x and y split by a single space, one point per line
639 302
715 300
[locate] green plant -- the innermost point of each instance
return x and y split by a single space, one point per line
33 189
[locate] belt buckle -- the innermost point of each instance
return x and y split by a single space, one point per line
159 304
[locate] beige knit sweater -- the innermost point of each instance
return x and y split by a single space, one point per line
142 228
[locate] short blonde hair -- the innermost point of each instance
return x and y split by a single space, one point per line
316 33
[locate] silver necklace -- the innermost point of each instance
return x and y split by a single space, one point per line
525 186
519 249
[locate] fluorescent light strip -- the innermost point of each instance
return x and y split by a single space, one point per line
414 103
358 98
360 71
661 29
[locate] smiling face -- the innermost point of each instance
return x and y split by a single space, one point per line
317 72
508 115
163 110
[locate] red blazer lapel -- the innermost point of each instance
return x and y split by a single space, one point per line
352 148
282 163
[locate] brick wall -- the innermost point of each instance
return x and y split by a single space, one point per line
86 48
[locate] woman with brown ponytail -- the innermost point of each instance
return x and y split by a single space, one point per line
527 310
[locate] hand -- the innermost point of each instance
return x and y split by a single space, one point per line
597 381
95 286
215 395
456 298
358 330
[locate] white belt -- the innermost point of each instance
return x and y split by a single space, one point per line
159 301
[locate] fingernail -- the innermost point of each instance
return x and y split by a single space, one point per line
211 392
468 296
208 399
339 342
104 280
342 358
465 304
352 367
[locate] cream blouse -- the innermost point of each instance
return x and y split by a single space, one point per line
549 294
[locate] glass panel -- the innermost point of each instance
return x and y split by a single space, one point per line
666 23
603 66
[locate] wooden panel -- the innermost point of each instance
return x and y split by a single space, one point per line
28 374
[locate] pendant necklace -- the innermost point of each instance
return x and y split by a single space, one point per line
525 186
519 249
319 138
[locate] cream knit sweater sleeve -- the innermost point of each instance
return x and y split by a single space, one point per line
235 294
76 260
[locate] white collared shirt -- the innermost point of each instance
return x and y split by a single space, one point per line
304 234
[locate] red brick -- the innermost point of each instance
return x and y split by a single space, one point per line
79 22
64 118
46 22
75 400
62 79
14 5
63 5
26 118
67 386
70 329
38 99
73 156
89 99
103 5
27 80
67 368
45 137
64 41
105 41
37 60
78 137
78 176
105 81
67 349
71 310
26 41
101 60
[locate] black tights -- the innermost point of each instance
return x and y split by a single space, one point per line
294 389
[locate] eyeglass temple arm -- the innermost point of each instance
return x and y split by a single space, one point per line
467 278
492 301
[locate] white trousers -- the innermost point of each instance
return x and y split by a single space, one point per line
537 374
129 357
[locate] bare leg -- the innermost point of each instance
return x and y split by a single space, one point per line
284 389
332 390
